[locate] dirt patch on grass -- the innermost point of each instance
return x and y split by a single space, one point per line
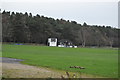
11 68
25 71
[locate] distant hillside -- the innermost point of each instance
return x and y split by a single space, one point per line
25 28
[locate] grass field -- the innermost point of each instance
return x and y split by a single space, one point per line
97 61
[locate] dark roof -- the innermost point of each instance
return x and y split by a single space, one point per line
64 41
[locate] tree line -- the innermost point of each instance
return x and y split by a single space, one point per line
26 28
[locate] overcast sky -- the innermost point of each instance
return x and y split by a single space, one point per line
93 12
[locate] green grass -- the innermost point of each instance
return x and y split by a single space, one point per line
97 61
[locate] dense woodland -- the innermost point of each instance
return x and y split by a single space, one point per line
26 28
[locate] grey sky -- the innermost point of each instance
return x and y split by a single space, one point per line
100 13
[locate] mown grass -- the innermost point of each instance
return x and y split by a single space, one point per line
97 61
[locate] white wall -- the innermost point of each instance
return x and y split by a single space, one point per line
52 43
